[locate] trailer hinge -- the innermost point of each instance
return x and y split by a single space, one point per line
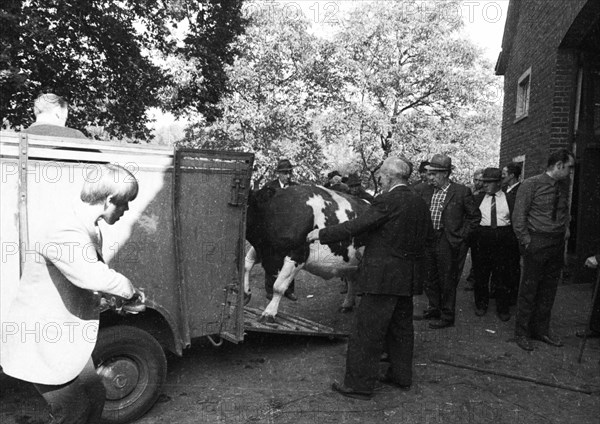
237 191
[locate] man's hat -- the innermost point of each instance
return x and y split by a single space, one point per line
333 174
353 180
439 163
422 166
491 174
284 165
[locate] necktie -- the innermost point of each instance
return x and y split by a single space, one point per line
555 204
493 218
99 246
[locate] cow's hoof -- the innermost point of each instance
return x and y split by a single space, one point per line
266 319
346 309
247 298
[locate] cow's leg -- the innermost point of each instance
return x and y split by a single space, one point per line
348 304
249 262
286 275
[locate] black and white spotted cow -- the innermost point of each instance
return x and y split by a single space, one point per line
277 224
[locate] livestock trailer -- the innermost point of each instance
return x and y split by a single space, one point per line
182 241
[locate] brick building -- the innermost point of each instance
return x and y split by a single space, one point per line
550 61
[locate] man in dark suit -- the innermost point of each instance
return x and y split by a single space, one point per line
493 243
284 173
396 229
455 217
511 174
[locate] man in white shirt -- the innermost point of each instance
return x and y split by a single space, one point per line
493 242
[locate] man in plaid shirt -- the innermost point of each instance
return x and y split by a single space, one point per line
455 217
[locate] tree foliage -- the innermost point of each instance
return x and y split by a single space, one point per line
414 86
282 77
101 55
388 82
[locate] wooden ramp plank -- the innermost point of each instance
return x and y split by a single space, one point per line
287 324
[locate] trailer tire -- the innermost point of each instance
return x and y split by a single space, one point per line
133 368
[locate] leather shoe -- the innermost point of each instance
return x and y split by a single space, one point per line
524 343
388 380
351 393
291 296
552 341
480 312
504 316
427 315
442 323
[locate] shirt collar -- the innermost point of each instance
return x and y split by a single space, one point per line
510 187
445 187
397 185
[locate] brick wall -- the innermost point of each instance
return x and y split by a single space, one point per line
541 27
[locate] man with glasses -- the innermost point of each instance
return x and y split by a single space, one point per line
541 222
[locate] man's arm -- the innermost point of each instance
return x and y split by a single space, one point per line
519 216
377 213
71 251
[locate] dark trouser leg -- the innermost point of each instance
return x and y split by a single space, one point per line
540 322
514 268
483 270
501 269
449 258
595 318
400 337
269 281
365 346
79 401
541 268
432 286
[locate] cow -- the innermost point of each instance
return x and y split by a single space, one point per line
277 224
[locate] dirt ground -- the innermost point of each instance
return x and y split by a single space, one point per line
286 379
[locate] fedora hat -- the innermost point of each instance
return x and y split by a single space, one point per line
284 165
491 174
439 163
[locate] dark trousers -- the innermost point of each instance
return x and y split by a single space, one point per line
270 281
380 318
80 401
514 269
443 266
542 263
491 258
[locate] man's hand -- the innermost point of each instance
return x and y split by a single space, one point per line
591 262
313 235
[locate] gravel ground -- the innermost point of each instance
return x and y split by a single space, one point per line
286 379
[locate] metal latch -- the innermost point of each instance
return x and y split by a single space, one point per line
237 192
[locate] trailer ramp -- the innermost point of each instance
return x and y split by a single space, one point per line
287 324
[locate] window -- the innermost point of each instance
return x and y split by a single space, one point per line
523 91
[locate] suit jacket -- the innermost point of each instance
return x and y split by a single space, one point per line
511 196
51 326
397 229
274 184
460 216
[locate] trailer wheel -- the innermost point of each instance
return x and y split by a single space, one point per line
133 367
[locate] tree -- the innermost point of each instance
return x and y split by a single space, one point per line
413 85
282 77
96 53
